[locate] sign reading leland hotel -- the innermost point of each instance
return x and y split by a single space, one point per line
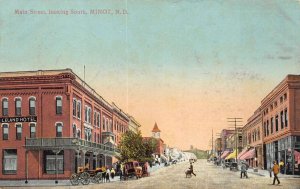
18 119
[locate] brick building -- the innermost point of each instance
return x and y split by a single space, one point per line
52 122
280 111
253 141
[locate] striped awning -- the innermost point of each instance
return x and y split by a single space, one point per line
225 154
242 153
248 155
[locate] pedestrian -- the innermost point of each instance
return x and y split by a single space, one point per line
270 171
121 171
112 173
103 174
275 170
287 168
107 175
192 169
244 170
281 166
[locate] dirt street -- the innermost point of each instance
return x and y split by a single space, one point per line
208 177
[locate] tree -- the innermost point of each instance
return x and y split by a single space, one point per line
133 147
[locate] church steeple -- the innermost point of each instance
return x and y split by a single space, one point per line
155 131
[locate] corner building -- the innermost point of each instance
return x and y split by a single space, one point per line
280 111
52 122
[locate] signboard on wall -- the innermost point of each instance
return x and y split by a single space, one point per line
18 119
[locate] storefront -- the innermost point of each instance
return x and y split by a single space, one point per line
286 149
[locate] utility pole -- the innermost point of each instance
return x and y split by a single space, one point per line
235 120
212 141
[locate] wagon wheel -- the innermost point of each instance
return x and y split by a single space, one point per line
98 177
74 179
85 178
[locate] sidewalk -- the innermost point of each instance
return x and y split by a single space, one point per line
21 183
266 173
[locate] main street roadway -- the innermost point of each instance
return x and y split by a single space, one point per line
208 176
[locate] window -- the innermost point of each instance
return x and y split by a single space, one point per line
32 106
281 120
284 96
258 134
87 134
74 131
58 129
98 137
95 118
74 107
98 120
103 122
53 162
10 161
272 124
89 115
19 132
275 104
267 127
78 109
281 99
32 130
271 107
285 118
276 122
85 113
95 137
5 131
58 105
18 106
5 107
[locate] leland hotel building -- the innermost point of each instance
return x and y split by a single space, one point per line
52 122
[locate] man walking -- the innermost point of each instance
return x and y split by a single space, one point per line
244 170
275 171
192 169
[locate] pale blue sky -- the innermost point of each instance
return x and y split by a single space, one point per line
162 53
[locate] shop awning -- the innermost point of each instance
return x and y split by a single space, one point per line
297 156
232 155
242 153
225 154
248 155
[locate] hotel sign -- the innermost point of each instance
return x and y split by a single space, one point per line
18 119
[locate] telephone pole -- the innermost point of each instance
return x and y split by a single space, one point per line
235 120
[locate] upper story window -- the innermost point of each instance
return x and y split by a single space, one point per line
276 123
272 124
32 106
58 100
18 132
5 131
258 134
284 96
103 122
59 129
281 99
74 107
79 109
32 128
271 107
95 118
275 104
281 120
74 131
98 120
18 106
286 117
87 114
5 107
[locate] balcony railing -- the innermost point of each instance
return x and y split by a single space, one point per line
66 143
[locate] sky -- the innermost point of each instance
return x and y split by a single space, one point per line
187 65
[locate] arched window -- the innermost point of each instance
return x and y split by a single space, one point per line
58 100
32 127
18 131
32 106
59 129
18 106
74 107
5 131
74 131
5 107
